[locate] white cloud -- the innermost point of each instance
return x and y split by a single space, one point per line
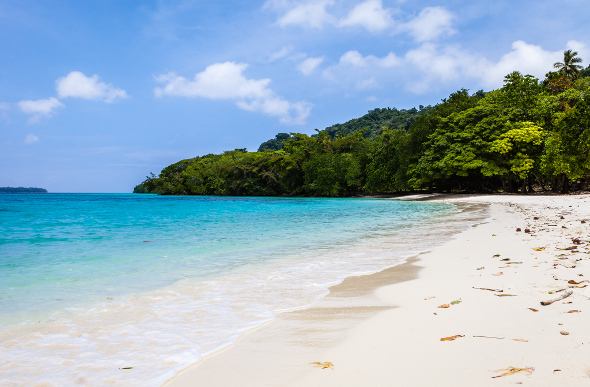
356 59
311 14
370 15
281 54
226 81
4 106
309 65
39 108
31 138
78 85
431 23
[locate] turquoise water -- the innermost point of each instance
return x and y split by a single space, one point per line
158 282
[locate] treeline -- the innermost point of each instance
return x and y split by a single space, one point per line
22 190
528 135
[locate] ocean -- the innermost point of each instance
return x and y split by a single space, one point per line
93 284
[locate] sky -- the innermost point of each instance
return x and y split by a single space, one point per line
96 94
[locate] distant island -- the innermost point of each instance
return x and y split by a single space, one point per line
22 190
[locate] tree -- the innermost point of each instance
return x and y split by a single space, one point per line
569 65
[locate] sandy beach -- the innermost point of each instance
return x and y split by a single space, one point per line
481 292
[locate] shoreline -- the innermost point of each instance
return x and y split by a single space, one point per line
352 326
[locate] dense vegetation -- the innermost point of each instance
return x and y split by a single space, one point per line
22 190
528 135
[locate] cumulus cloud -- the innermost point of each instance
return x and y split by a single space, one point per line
362 71
226 81
431 23
40 108
31 138
311 14
309 65
78 85
370 15
356 59
283 52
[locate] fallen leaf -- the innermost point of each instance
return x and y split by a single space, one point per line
554 371
533 309
429 298
505 259
521 340
574 311
492 290
505 295
491 337
565 333
451 338
443 306
497 255
456 302
324 365
513 370
539 248
568 302
518 229
480 268
573 282
126 368
497 274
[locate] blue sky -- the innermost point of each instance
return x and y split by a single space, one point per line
94 95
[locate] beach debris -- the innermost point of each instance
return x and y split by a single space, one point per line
518 229
429 298
574 311
535 218
491 290
126 368
451 338
578 287
480 268
497 274
496 255
521 340
565 333
554 371
456 302
576 241
505 259
444 306
493 234
490 337
539 248
533 309
565 294
513 370
324 365
576 283
110 298
505 295
583 221
526 230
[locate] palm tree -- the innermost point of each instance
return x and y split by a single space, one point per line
569 66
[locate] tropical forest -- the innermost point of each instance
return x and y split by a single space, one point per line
530 135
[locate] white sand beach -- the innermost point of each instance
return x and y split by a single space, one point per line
385 329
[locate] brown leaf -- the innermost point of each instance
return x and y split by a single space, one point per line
505 295
491 290
513 370
539 248
518 229
574 311
480 268
573 282
443 306
521 340
451 338
497 274
533 309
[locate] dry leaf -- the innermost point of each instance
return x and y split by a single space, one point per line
574 311
521 340
565 333
554 371
444 306
533 309
429 298
573 282
492 290
451 338
480 268
497 255
497 274
513 370
539 248
456 302
323 365
505 295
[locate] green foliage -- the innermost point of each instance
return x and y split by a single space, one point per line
527 132
570 65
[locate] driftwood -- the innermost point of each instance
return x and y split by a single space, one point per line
565 294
